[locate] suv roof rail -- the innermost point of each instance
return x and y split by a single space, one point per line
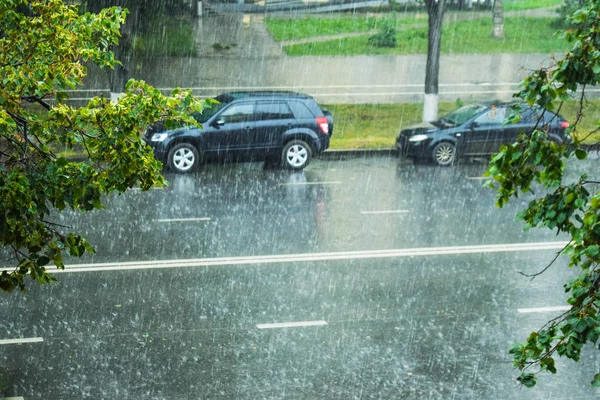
265 93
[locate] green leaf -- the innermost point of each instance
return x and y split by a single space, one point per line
580 154
596 381
527 379
43 260
592 251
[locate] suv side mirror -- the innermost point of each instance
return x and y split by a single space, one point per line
219 122
474 125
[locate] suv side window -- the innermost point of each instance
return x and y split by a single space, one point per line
300 110
238 113
272 110
496 115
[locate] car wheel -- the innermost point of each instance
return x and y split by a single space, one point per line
444 154
183 158
296 154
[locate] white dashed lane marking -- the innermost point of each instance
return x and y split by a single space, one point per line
21 340
291 324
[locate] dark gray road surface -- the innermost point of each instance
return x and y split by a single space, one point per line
423 327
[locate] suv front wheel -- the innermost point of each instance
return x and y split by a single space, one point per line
184 157
296 154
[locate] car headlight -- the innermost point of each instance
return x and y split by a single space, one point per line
159 137
418 138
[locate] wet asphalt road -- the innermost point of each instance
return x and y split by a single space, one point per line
423 327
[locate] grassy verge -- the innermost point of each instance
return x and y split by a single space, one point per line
523 35
375 126
171 37
284 29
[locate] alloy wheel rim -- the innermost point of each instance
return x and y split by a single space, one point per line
183 159
444 154
296 155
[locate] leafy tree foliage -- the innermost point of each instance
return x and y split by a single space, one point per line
43 44
569 207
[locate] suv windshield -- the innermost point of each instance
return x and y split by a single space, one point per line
463 114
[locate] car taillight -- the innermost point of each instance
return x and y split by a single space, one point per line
323 124
565 124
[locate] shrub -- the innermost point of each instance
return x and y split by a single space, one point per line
386 37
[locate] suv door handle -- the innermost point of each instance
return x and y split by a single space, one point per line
248 128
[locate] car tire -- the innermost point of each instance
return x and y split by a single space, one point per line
296 154
184 158
444 154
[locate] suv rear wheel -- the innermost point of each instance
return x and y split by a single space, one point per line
184 157
296 154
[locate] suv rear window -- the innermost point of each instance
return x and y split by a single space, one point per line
300 110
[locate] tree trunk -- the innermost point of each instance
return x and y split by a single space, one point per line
498 20
435 9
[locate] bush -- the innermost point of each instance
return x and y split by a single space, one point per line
386 37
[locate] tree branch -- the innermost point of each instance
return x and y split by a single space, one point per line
533 276
37 99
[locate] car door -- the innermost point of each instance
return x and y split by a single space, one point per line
486 133
273 118
233 129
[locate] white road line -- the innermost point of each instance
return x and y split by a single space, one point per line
407 93
291 324
308 257
478 178
385 212
12 398
363 94
21 340
183 220
543 309
343 86
310 183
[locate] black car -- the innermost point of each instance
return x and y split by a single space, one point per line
476 130
279 126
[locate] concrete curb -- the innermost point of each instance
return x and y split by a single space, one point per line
335 155
332 155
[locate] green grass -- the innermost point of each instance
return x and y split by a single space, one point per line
375 126
517 5
170 37
284 29
523 35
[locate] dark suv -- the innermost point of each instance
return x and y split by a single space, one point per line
284 127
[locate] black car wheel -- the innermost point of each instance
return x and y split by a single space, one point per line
444 154
296 154
184 157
